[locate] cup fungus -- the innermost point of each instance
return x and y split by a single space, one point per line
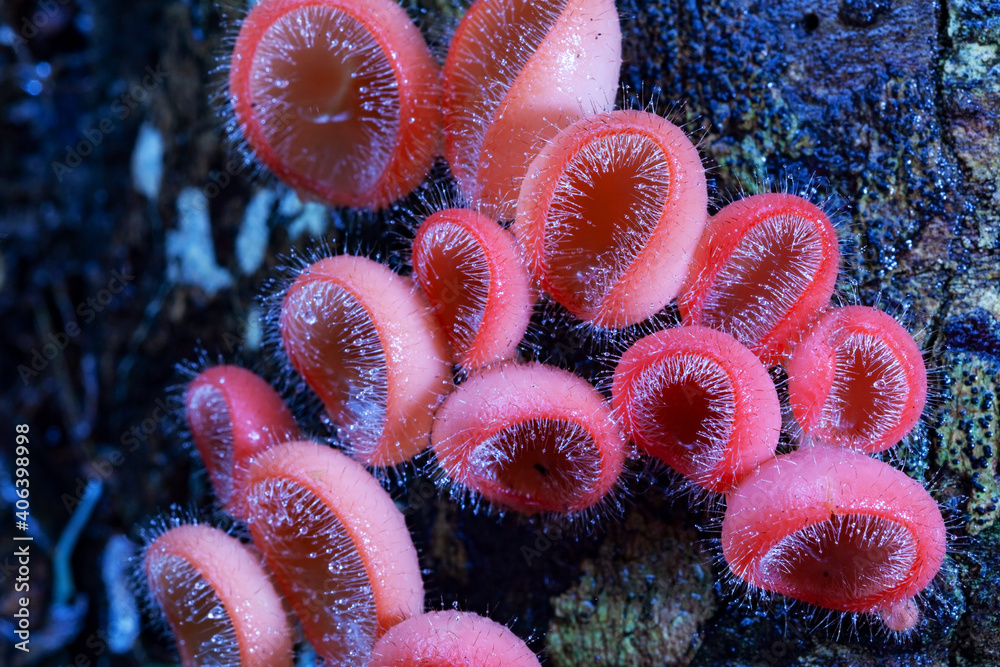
610 213
233 415
217 599
838 529
530 438
470 269
517 71
364 340
765 267
337 545
451 639
857 379
700 402
339 98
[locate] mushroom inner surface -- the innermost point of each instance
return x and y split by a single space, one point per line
868 391
327 97
843 559
212 426
685 405
456 276
338 349
608 200
542 464
759 284
205 634
318 567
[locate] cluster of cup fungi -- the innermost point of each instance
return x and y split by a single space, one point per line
604 212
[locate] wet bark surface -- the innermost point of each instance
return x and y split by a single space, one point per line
886 111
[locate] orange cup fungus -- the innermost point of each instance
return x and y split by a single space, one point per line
837 529
449 639
337 545
470 269
700 402
530 438
342 100
766 266
339 98
857 379
610 213
234 414
516 72
217 599
365 341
